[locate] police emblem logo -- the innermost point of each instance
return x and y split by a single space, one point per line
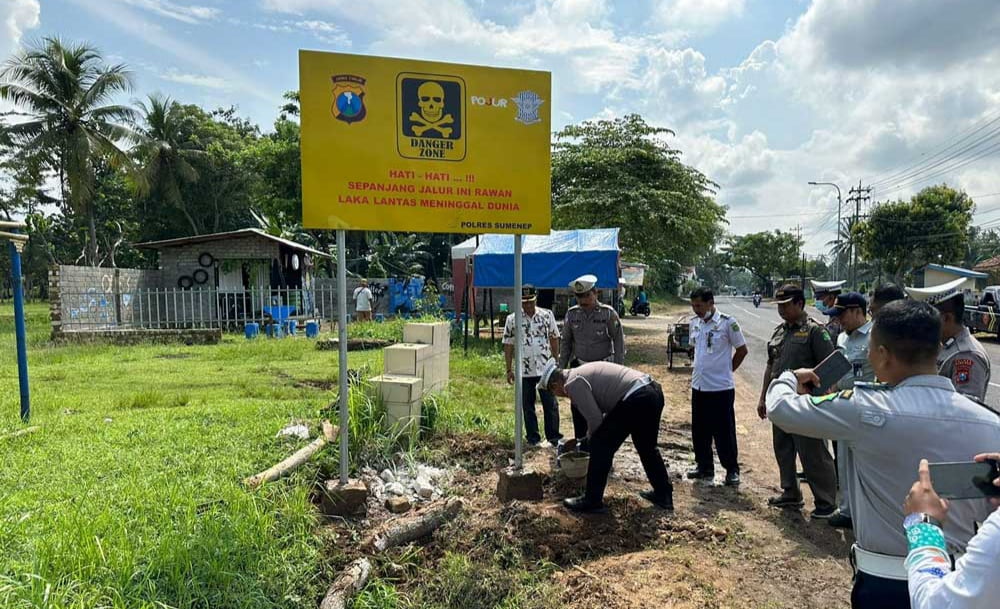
528 103
431 117
348 98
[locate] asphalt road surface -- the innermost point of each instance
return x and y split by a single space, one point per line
758 325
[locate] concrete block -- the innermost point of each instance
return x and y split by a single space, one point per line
343 500
398 388
403 358
435 334
524 485
395 411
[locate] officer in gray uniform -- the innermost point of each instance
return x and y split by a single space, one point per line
916 414
851 311
962 358
592 332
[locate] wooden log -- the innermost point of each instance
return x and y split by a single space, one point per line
21 432
347 584
296 460
398 532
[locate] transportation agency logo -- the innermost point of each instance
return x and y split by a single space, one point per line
348 98
431 117
528 103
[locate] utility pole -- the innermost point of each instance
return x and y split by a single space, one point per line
858 196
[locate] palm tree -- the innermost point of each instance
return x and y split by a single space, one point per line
64 94
166 154
396 255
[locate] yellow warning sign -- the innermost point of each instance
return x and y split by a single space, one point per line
417 146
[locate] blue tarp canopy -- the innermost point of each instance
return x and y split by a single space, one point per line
549 261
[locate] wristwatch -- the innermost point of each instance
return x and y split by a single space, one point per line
918 517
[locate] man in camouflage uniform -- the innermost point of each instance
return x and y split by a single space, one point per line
799 342
592 332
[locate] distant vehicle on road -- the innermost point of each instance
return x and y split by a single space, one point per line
985 316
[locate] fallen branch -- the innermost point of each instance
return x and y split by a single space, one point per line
21 432
295 461
347 584
398 532
584 571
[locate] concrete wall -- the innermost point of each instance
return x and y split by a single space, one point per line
182 260
933 277
85 297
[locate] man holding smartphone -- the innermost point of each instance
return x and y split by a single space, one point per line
933 582
888 429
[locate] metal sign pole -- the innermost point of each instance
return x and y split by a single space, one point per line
19 330
518 368
342 342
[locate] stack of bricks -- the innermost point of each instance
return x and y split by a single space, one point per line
412 369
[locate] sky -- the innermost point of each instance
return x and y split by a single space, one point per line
763 95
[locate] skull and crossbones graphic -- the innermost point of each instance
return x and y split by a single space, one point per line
430 99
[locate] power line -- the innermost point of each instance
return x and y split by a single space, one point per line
979 155
933 167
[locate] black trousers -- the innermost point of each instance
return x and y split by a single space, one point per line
550 411
872 592
639 417
713 417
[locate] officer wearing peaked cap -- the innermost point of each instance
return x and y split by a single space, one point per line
962 358
826 293
592 332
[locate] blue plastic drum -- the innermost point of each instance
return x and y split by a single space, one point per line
251 330
312 329
291 326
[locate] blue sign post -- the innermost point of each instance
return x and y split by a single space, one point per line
16 245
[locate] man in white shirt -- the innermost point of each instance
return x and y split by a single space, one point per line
933 583
363 299
541 341
719 349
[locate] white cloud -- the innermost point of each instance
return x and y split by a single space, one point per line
689 17
174 10
324 31
16 17
198 80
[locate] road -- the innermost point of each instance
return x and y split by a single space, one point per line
758 325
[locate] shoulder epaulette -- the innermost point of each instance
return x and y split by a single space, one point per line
724 316
871 385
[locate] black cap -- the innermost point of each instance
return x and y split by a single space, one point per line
528 293
788 293
849 300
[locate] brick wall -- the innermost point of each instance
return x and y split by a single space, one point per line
182 260
86 297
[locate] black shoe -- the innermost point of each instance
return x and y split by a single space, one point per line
839 521
584 505
732 478
666 502
699 474
823 513
784 501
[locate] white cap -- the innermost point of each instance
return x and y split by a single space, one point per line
550 367
827 286
583 284
935 295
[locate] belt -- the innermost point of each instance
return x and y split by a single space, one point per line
610 358
879 565
636 386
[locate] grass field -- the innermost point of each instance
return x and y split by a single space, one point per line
130 494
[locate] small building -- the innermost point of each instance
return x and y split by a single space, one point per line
937 274
990 266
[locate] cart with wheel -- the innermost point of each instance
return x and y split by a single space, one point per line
679 342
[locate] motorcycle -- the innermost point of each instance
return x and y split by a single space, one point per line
756 301
639 308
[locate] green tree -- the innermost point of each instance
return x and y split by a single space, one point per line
933 226
63 94
765 254
983 245
167 154
621 173
396 255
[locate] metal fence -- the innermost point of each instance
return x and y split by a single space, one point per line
174 308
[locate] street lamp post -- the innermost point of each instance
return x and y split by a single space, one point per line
836 259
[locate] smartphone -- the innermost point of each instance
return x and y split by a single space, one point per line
967 480
831 370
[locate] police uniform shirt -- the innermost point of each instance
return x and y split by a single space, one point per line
592 336
888 430
966 363
855 348
714 341
801 344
